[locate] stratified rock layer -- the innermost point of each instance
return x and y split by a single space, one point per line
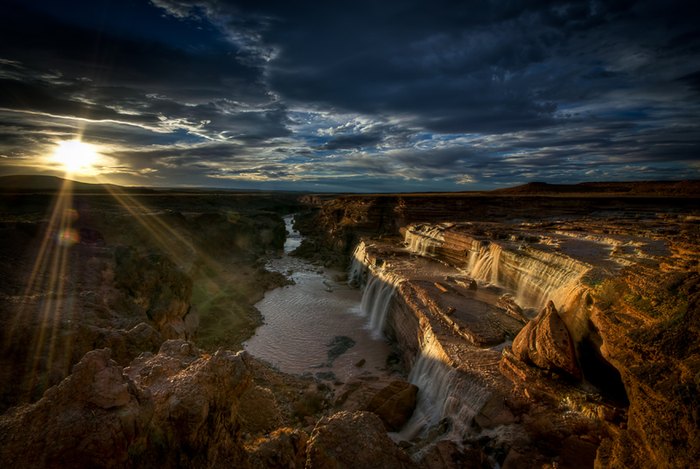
651 333
635 340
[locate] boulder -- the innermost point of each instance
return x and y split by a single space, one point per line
394 404
446 454
352 440
545 343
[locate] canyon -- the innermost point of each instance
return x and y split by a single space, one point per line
539 326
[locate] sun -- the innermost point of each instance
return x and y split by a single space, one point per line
76 156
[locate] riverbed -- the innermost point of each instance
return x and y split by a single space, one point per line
315 326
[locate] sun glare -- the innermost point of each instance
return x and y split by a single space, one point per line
76 156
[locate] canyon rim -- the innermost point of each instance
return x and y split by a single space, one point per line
532 327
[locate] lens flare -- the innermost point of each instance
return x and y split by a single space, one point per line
68 237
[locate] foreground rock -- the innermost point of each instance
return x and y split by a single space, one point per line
174 409
392 400
353 440
90 419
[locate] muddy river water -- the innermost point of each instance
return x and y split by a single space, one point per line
316 325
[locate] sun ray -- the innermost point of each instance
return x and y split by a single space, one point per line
48 276
53 273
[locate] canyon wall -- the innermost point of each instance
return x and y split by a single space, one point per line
576 279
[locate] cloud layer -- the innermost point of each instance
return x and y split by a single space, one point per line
370 96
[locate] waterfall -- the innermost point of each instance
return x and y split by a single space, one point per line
376 299
483 262
424 239
532 275
378 289
357 271
443 393
293 239
495 251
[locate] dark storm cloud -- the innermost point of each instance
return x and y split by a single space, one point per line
363 96
67 70
352 141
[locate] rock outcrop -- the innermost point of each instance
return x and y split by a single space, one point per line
283 448
174 409
650 327
157 289
91 419
545 342
353 440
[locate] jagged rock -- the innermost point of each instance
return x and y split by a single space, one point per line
125 345
258 411
494 413
196 404
507 303
90 419
284 448
155 288
545 342
353 440
394 404
174 409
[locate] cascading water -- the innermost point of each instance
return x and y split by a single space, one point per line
356 274
424 239
444 395
376 299
293 239
483 262
533 276
377 290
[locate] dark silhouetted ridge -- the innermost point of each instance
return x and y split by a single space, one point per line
25 183
662 188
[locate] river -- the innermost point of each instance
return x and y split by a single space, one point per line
315 326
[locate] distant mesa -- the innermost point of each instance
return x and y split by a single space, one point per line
23 183
690 187
50 184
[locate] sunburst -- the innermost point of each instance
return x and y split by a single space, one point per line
76 157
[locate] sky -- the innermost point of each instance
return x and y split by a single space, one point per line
361 96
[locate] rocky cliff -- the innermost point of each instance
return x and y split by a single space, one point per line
597 295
